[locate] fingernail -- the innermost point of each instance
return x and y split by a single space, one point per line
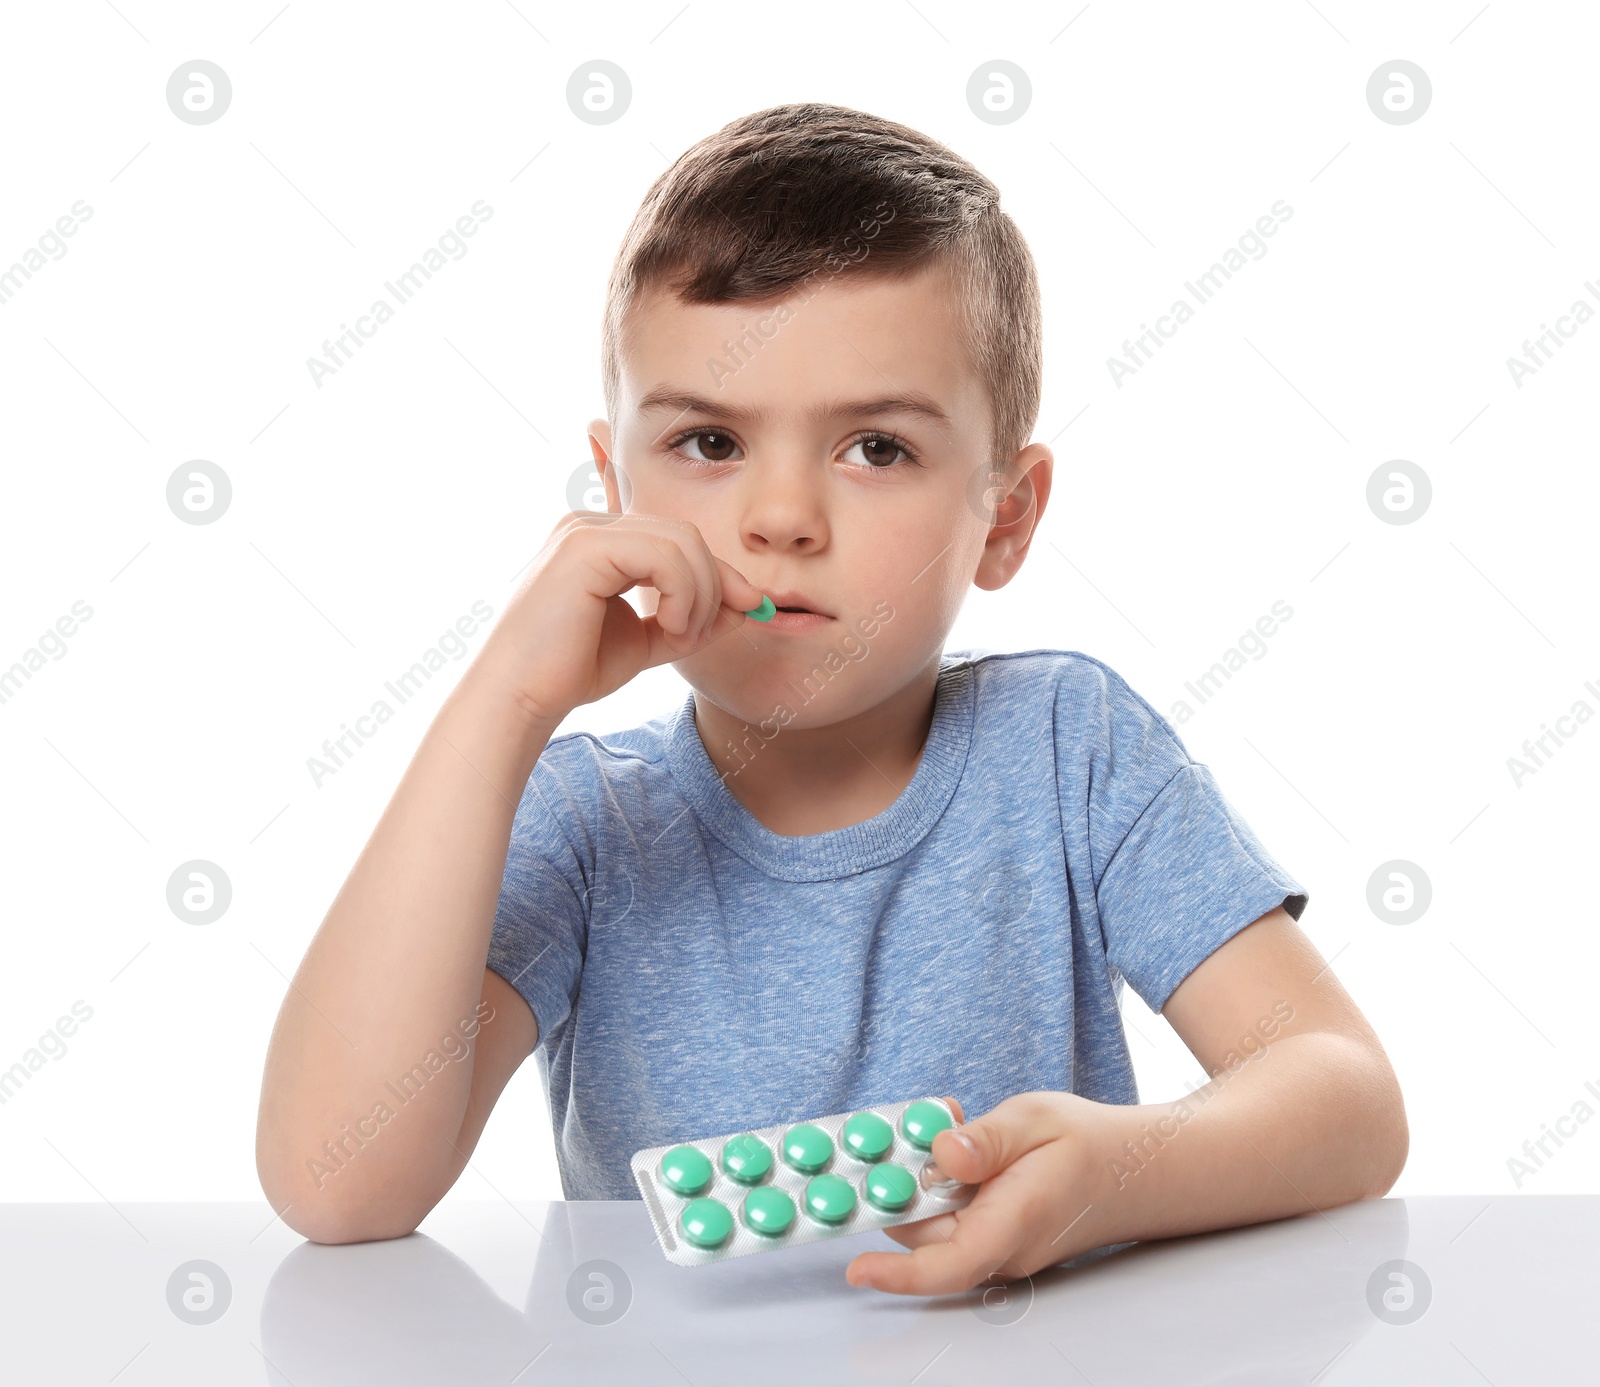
967 1144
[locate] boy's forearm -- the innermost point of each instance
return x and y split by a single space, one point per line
1313 1121
396 965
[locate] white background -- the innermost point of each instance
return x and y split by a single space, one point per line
369 514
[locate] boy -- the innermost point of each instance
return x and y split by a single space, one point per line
850 868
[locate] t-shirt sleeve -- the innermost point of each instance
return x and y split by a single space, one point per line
1177 871
541 919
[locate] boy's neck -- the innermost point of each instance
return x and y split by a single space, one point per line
814 780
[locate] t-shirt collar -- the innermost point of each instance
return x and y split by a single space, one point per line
841 851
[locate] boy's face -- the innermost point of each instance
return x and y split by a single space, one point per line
804 459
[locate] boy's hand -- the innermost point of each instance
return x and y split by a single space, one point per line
1040 1158
568 637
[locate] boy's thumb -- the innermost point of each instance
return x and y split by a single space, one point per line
966 1153
980 1149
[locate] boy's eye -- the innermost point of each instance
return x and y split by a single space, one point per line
878 452
871 452
708 446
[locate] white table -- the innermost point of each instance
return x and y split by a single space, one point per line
480 1294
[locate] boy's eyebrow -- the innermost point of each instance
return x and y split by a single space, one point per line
684 402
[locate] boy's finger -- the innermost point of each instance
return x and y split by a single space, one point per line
661 643
988 1232
625 558
939 1228
725 619
689 558
738 592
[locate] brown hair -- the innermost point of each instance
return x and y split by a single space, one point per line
781 196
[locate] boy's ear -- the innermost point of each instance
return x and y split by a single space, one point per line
600 447
1016 517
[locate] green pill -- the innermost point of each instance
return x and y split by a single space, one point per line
807 1147
923 1121
706 1222
867 1136
829 1198
685 1170
890 1187
765 611
746 1159
768 1211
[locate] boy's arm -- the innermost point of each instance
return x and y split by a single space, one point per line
507 1038
396 973
361 1127
1303 1112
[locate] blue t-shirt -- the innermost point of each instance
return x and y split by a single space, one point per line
694 973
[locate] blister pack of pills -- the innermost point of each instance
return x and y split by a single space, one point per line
798 1182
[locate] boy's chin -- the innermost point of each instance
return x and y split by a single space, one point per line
767 689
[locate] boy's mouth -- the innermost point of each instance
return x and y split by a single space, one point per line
794 602
796 619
